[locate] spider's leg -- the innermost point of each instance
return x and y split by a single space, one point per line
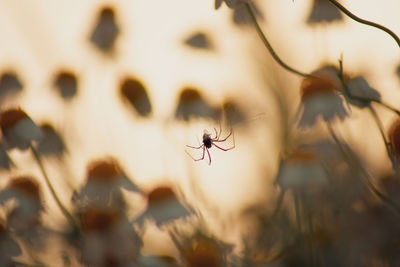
209 156
216 134
199 158
225 149
223 140
195 147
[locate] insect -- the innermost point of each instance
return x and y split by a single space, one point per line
209 141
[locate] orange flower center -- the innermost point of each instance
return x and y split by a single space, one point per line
103 170
160 195
98 220
10 117
302 156
27 186
316 85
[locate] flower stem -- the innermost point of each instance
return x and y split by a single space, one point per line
382 132
268 45
66 213
366 22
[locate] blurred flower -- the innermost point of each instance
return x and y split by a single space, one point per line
163 206
319 97
10 85
230 3
203 251
108 238
18 129
24 218
8 247
66 83
358 90
323 11
192 104
104 181
302 169
136 94
106 31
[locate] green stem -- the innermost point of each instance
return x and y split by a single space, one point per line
366 22
69 217
268 45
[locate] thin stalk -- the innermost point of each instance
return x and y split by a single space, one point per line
382 132
66 213
366 22
269 46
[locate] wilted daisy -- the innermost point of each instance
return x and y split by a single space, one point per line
230 3
163 206
302 169
108 238
18 129
319 97
104 181
24 218
359 93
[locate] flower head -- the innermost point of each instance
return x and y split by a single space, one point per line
204 251
301 169
319 98
104 181
108 238
163 206
24 218
18 129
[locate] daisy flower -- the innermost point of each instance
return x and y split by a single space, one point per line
18 129
104 181
319 98
302 169
163 206
108 238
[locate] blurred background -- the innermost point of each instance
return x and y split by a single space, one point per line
139 80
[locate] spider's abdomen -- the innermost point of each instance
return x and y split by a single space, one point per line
207 142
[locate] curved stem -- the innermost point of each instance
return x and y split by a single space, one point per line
53 192
366 22
268 45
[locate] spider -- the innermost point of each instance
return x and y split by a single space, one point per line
208 142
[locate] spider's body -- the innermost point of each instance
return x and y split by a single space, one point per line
208 142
